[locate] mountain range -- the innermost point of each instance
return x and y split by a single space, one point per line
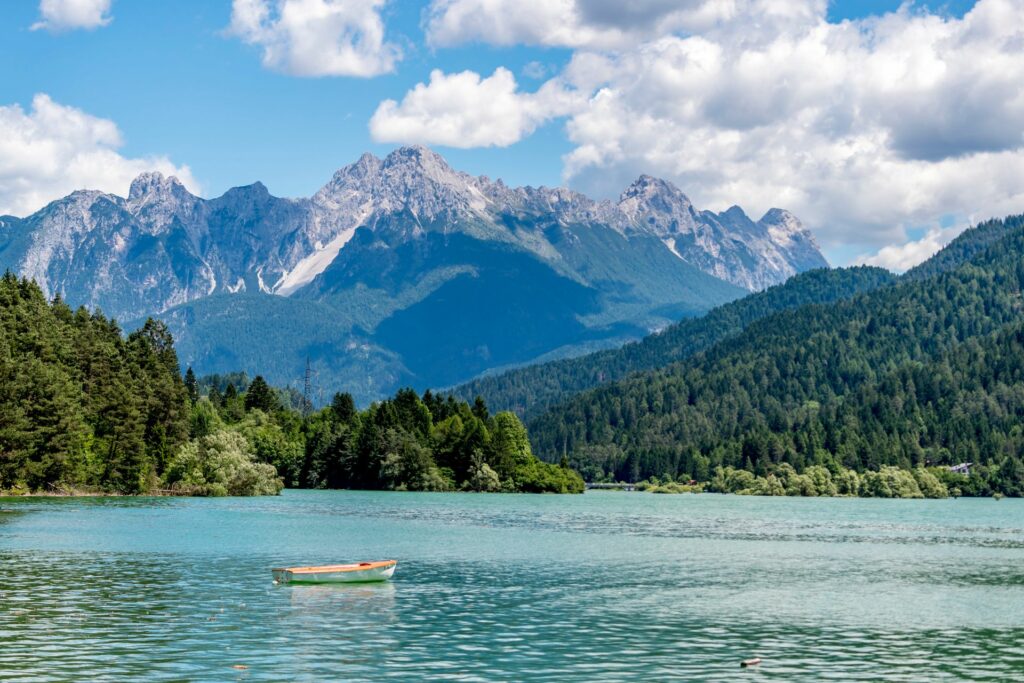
399 270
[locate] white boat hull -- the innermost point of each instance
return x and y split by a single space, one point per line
375 572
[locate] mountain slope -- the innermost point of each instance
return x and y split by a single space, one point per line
391 255
839 383
531 390
965 246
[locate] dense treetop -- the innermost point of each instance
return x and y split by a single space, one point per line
82 405
429 443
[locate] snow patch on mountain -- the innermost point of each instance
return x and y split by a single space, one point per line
311 266
670 242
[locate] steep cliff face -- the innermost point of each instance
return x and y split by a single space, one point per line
399 250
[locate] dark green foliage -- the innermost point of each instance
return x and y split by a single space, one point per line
82 406
260 396
344 408
926 372
531 390
219 383
191 385
425 444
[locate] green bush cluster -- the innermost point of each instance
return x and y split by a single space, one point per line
672 487
816 480
221 464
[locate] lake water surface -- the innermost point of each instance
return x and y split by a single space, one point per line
604 586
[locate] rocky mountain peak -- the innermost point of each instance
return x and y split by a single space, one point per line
156 199
649 186
417 155
419 180
155 184
736 219
367 165
784 222
788 231
657 206
415 166
247 194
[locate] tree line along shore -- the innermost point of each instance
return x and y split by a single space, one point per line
86 408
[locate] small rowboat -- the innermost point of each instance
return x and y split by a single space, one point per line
360 572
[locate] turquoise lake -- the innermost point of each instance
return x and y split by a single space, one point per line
603 586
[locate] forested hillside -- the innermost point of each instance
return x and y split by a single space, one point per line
85 409
924 372
531 390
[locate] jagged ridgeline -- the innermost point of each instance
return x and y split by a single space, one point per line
926 371
399 271
83 408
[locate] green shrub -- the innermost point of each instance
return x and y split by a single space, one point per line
929 484
221 464
889 482
674 487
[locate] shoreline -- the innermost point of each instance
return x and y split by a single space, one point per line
162 493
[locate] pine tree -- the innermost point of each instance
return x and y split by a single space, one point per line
191 385
260 396
480 408
343 406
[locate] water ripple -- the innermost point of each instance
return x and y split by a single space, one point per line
511 588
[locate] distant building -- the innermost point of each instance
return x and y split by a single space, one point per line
963 468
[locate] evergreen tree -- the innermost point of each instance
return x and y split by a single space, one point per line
343 406
480 408
191 385
260 396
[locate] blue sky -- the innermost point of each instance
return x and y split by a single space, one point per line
176 85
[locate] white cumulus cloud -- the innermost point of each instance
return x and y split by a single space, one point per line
466 110
51 150
317 37
902 257
865 128
67 15
603 24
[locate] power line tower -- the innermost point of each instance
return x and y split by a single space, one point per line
307 390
